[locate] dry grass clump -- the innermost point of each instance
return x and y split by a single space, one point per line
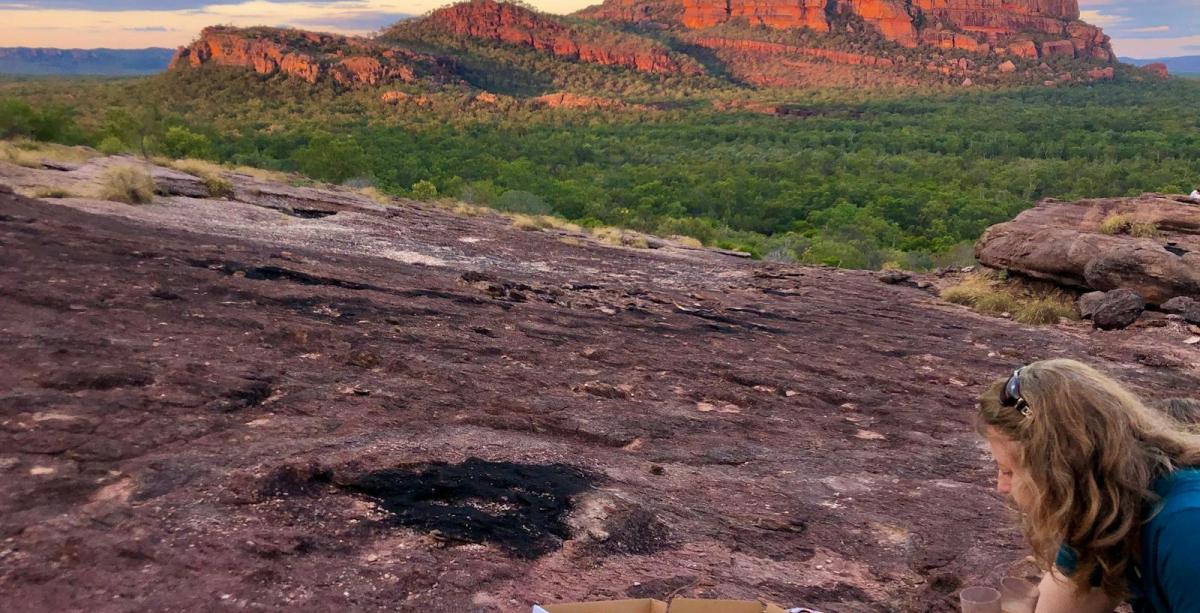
619 238
128 184
686 241
522 221
262 174
31 153
988 294
375 194
51 192
212 175
1046 310
1125 223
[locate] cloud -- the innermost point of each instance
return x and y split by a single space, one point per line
147 29
1104 20
1149 29
359 21
145 5
1156 47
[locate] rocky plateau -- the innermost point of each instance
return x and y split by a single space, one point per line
878 42
305 399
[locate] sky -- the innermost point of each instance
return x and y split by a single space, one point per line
1139 28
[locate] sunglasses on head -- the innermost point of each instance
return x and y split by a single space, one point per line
1010 395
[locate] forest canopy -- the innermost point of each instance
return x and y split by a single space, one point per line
853 180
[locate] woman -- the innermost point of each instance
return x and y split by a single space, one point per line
1108 497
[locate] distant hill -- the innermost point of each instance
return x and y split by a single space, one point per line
641 45
110 62
1183 65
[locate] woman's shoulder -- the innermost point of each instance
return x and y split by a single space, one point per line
1180 487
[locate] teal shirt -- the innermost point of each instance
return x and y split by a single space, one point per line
1168 578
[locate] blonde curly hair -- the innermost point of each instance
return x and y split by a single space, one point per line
1091 451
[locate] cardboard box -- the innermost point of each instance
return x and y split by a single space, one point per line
648 605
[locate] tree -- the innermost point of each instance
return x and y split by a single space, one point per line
424 190
180 142
331 159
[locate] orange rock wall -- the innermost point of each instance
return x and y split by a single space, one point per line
514 24
970 25
305 55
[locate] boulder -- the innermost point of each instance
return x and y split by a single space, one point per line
1117 309
1008 67
1089 303
1184 306
1062 242
1179 304
892 277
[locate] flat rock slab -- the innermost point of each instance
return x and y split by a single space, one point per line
192 387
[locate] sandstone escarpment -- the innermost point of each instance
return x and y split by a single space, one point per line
348 61
516 25
1028 28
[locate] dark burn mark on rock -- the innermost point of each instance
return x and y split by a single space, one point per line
521 508
253 392
276 273
310 213
101 380
296 480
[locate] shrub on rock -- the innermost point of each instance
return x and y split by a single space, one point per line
128 184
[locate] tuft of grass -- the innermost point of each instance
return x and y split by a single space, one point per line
1126 223
522 221
1144 229
1046 310
212 175
128 184
525 222
998 302
375 194
969 290
686 241
1003 296
31 153
51 192
262 174
619 238
1117 223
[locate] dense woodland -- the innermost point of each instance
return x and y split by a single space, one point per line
855 179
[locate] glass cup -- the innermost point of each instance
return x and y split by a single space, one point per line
980 599
1018 595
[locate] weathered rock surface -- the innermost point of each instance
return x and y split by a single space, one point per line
348 61
514 24
190 388
1062 242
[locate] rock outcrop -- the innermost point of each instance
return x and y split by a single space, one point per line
516 25
567 100
1064 242
348 61
971 25
1157 69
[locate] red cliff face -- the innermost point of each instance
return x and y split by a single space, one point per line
517 25
349 62
970 25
